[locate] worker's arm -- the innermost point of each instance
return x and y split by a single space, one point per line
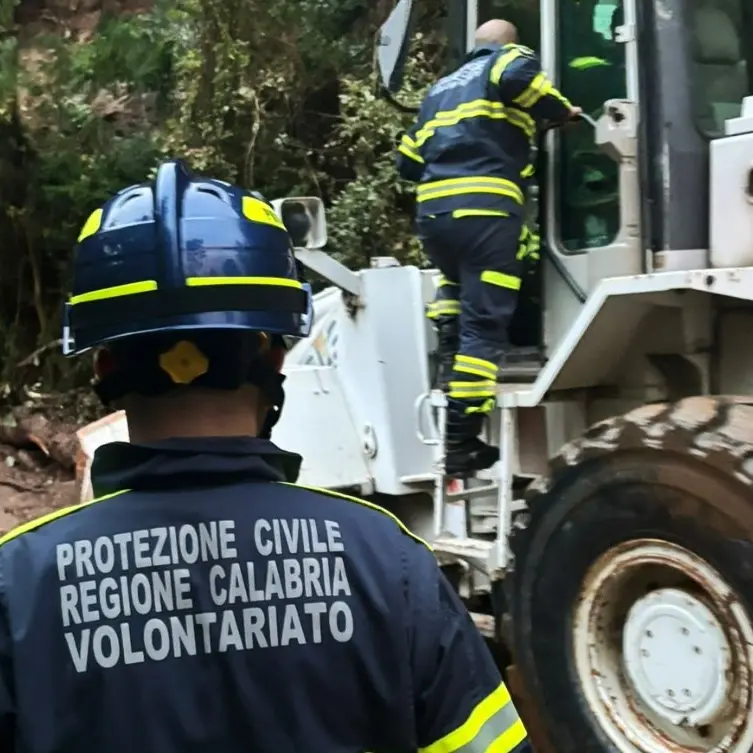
410 163
461 703
518 77
7 703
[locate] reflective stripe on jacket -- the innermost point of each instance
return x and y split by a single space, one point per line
471 145
212 606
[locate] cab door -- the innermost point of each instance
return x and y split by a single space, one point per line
591 203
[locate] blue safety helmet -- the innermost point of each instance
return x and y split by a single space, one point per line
183 253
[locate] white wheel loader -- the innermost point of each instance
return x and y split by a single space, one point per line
610 551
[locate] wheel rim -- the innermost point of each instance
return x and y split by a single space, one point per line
664 652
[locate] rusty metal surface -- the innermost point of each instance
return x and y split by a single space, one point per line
528 712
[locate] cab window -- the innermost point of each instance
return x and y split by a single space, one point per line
721 51
591 70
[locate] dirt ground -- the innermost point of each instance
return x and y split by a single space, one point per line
37 467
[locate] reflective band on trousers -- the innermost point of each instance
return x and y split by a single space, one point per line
477 366
440 189
492 727
473 390
501 279
446 307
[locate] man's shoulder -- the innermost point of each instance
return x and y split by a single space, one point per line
520 48
371 512
52 518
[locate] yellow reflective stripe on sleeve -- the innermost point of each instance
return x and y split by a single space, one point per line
91 226
348 498
489 367
256 210
495 76
458 213
557 94
282 282
131 288
501 280
439 189
32 525
494 722
511 737
527 171
410 153
540 86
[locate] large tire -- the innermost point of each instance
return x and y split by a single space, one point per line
673 474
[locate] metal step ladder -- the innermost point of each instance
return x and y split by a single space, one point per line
487 555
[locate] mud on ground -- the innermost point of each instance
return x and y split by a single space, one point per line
37 464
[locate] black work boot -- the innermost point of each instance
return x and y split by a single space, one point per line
466 453
448 336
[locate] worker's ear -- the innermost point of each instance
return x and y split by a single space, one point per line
275 357
104 363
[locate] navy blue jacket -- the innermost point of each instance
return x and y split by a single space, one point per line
471 146
202 604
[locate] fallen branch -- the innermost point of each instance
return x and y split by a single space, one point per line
33 357
57 441
19 487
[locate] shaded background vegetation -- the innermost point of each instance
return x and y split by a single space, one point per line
279 96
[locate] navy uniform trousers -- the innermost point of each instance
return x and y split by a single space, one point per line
478 253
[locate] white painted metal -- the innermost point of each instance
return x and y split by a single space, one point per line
656 633
731 200
677 657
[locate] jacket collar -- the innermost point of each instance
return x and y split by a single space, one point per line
177 463
482 50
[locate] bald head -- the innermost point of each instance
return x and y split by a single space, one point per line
496 31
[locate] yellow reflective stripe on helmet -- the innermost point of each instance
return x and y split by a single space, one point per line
458 213
492 727
282 282
257 210
501 280
130 288
32 525
364 503
91 226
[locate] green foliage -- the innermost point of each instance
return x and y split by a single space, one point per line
279 96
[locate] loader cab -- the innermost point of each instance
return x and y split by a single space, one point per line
638 201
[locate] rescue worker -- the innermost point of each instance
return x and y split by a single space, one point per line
470 150
204 602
